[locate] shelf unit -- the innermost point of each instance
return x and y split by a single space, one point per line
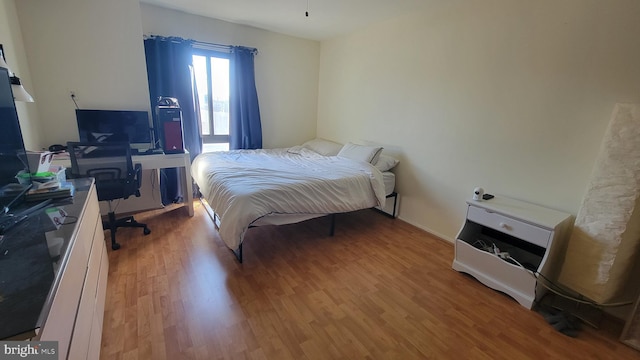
534 236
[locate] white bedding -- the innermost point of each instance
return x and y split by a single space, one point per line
243 186
388 178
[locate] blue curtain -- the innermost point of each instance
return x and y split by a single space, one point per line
245 129
169 71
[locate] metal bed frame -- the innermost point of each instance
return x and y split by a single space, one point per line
332 227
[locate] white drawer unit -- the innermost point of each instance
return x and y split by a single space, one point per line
77 308
504 241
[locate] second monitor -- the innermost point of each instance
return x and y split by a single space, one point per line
115 126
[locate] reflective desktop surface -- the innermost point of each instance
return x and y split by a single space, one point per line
32 253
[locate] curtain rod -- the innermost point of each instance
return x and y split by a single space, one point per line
202 44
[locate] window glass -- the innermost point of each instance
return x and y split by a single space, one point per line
220 87
212 82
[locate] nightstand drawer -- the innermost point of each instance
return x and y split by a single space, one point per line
507 225
495 273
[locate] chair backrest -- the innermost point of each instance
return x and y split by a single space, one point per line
109 164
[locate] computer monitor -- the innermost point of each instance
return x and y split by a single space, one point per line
12 154
115 126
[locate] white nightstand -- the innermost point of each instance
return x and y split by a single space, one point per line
533 235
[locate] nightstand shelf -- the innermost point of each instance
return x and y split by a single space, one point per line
531 235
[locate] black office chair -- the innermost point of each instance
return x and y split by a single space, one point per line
116 178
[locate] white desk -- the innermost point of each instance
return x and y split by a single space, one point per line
158 161
163 161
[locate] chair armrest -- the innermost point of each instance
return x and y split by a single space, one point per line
138 173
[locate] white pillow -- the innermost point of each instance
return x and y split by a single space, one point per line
323 147
364 153
386 162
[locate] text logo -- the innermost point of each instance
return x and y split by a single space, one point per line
38 350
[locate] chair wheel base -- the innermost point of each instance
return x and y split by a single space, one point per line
146 231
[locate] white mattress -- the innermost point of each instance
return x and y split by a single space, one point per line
389 179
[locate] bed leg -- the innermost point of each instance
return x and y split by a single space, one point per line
238 253
381 210
332 228
395 201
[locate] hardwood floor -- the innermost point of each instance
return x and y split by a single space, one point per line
378 289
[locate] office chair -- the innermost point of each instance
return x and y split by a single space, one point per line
115 177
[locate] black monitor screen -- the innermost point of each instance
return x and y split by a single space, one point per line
12 154
114 126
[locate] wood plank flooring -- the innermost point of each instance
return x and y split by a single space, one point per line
379 289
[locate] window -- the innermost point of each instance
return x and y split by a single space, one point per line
212 81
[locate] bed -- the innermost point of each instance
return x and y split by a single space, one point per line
247 188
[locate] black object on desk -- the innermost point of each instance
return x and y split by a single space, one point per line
8 221
16 198
148 152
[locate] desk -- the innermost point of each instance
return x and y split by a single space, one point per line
158 161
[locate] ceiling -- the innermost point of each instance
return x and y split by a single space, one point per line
327 18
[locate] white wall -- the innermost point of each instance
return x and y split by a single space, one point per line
11 40
286 69
91 47
513 96
95 49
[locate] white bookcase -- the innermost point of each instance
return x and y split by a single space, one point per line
532 235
